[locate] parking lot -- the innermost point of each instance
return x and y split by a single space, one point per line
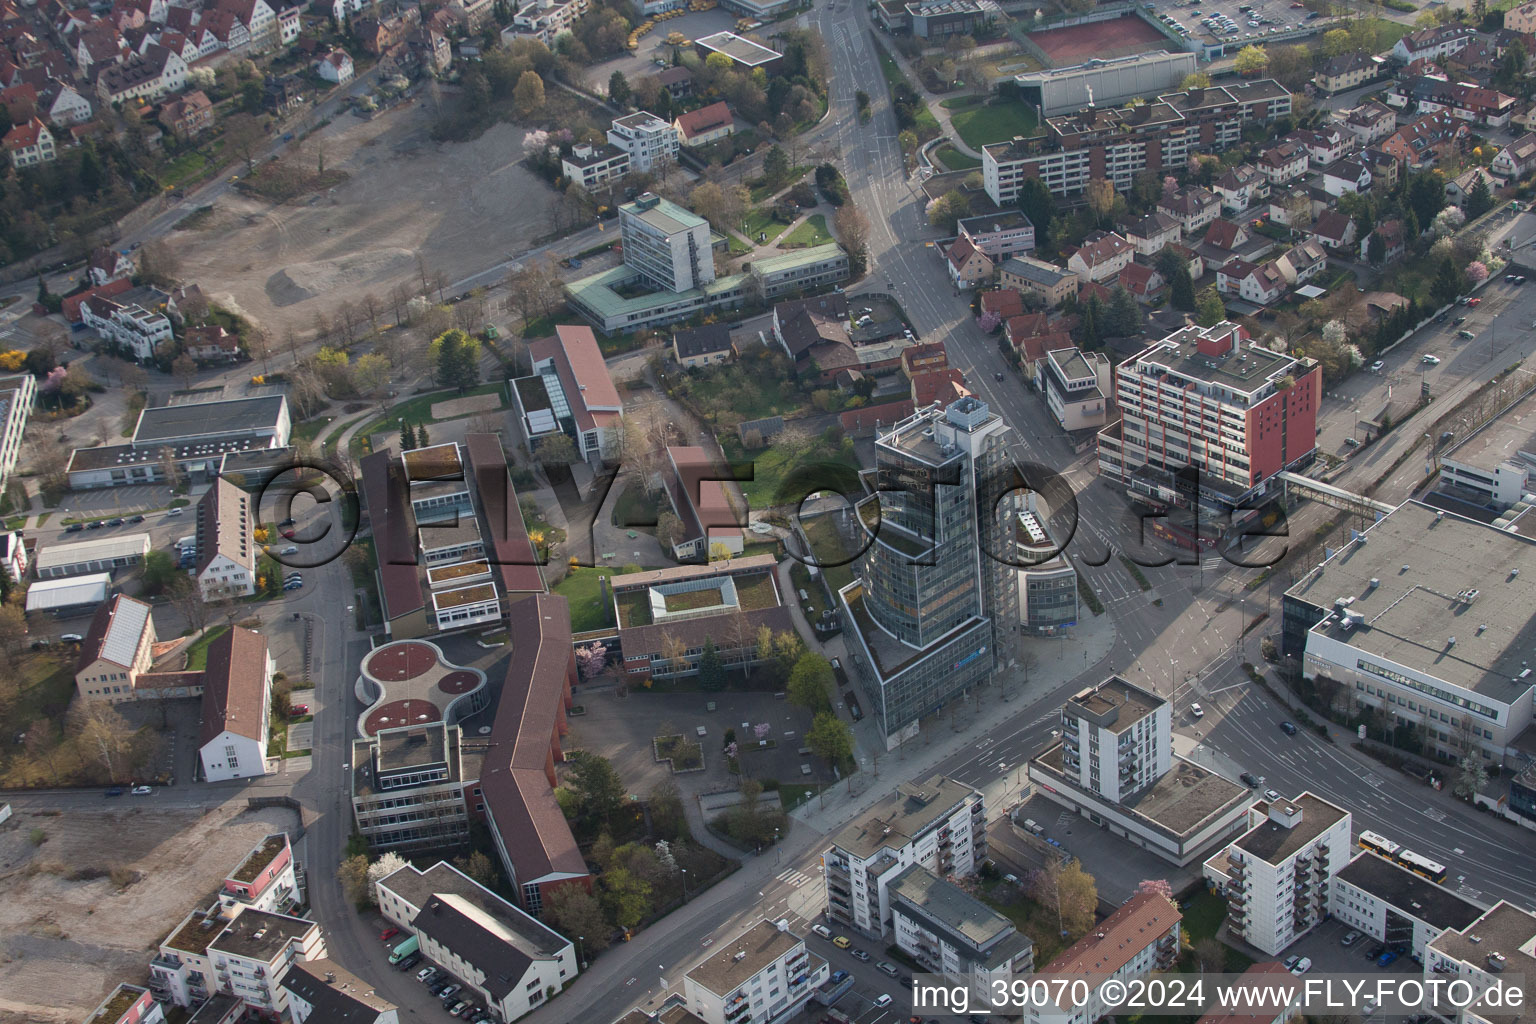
870 982
1238 22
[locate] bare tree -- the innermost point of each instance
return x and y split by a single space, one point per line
260 347
370 307
243 134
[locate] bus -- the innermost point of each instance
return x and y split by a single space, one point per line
1421 865
1377 843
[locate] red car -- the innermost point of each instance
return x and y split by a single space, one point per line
388 934
1474 302
288 534
301 709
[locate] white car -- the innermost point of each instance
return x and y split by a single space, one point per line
289 550
141 791
1302 966
1429 360
1271 795
1197 710
883 1000
1377 366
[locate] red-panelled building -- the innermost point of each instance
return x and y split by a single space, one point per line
1208 398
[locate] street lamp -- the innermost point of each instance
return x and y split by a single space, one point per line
579 950
685 885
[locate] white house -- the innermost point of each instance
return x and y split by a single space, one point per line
1258 283
1346 176
1240 187
335 66
761 976
232 742
141 331
1517 159
325 991
30 144
226 548
1102 256
66 107
1283 163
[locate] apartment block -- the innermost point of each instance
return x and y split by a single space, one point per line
592 167
648 139
1116 738
266 879
668 246
330 994
17 393
1118 144
999 235
1137 939
1207 399
1076 386
952 933
762 976
1396 907
938 824
127 1004
1278 876
253 952
414 787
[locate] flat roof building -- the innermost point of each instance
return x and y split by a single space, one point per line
70 595
762 976
1428 618
952 933
1395 906
743 52
1494 465
193 437
98 555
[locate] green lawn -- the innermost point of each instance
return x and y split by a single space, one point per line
961 102
197 650
827 548
737 247
927 124
772 465
955 160
760 221
588 608
994 122
310 429
812 231
418 410
1203 915
761 190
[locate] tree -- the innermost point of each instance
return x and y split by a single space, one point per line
156 571
574 912
103 736
810 682
1101 198
1210 955
556 449
1479 198
528 96
244 134
184 366
159 265
776 166
456 359
1070 892
1477 272
618 89
1448 283
386 865
1036 202
1375 249
371 374
1471 777
1209 309
1337 42
1425 196
13 632
479 867
711 669
947 209
407 436
831 740
852 229
721 205
597 784
627 898
665 805
1123 318
353 875
1251 61
1196 80
1182 290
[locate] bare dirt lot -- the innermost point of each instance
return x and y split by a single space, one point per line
464 207
65 944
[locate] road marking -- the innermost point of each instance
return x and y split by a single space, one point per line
1374 781
1434 814
793 878
631 981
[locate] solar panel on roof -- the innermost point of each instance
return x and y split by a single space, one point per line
541 421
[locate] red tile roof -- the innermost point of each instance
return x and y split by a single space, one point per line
942 386
1005 302
386 499
23 135
705 119
235 685
516 561
859 420
702 503
583 375
1116 940
72 303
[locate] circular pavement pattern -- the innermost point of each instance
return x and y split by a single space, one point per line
401 712
458 682
400 661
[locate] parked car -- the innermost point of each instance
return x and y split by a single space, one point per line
1429 360
886 967
425 973
410 961
94 524
1459 321
1350 939
303 709
135 519
1271 795
822 930
290 521
116 521
1378 366
842 942
837 976
142 791
456 1007
1288 728
1302 966
387 933
1250 780
114 791
74 527
861 956
1375 951
72 638
1385 960
450 991
1464 333
883 1000
173 511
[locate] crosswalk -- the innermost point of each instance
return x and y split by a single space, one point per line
793 878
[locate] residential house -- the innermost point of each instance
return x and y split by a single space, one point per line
1383 168
1226 240
1325 146
1460 187
1521 19
1348 71
98 45
117 649
1192 206
762 976
1302 263
1393 245
106 264
1371 122
330 994
702 346
545 19
999 235
1283 163
1101 257
1140 937
259 19
1434 43
157 71
29 144
1334 230
13 554
1051 284
1346 176
1258 283
187 115
1143 281
938 387
1032 336
336 67
210 344
186 301
1517 159
1423 141
646 138
127 1004
19 101
969 267
1427 94
705 125
378 35
1150 233
922 358
226 548
1076 386
289 25
236 706
127 322
62 105
1239 187
1005 302
678 81
592 167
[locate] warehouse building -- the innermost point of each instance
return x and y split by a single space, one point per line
98 555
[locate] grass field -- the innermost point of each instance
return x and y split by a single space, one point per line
995 122
773 465
927 124
588 608
954 160
761 221
419 409
811 231
961 102
197 650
